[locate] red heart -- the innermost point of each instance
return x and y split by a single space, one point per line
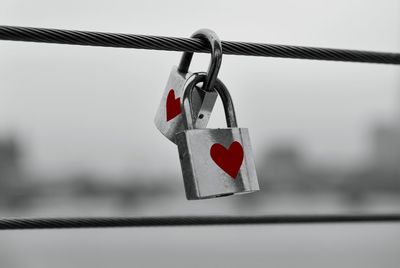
229 159
173 105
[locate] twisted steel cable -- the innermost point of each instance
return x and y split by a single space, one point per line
55 223
14 33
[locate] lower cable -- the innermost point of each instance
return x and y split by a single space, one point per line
103 222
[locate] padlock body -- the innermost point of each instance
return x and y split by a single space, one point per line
205 170
169 119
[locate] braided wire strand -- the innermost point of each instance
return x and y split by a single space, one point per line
86 38
28 34
98 222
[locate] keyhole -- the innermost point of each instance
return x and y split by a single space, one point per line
201 116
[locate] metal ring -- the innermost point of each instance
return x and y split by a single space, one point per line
222 91
216 57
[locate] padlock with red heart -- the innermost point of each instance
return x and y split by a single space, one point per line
169 115
215 162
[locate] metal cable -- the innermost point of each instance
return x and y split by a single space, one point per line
55 223
13 33
28 34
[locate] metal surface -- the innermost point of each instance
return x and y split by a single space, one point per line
104 222
203 97
216 58
203 177
203 104
86 38
220 89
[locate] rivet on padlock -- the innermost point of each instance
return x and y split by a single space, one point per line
215 162
169 115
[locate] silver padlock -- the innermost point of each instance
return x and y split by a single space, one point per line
168 118
215 162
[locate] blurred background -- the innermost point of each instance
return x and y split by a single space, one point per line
77 136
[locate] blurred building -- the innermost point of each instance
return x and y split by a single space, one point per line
282 168
10 164
15 191
386 146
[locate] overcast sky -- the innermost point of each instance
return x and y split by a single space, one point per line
83 108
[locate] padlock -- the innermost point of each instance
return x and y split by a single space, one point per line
168 118
215 162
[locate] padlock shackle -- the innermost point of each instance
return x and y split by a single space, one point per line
216 57
222 91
